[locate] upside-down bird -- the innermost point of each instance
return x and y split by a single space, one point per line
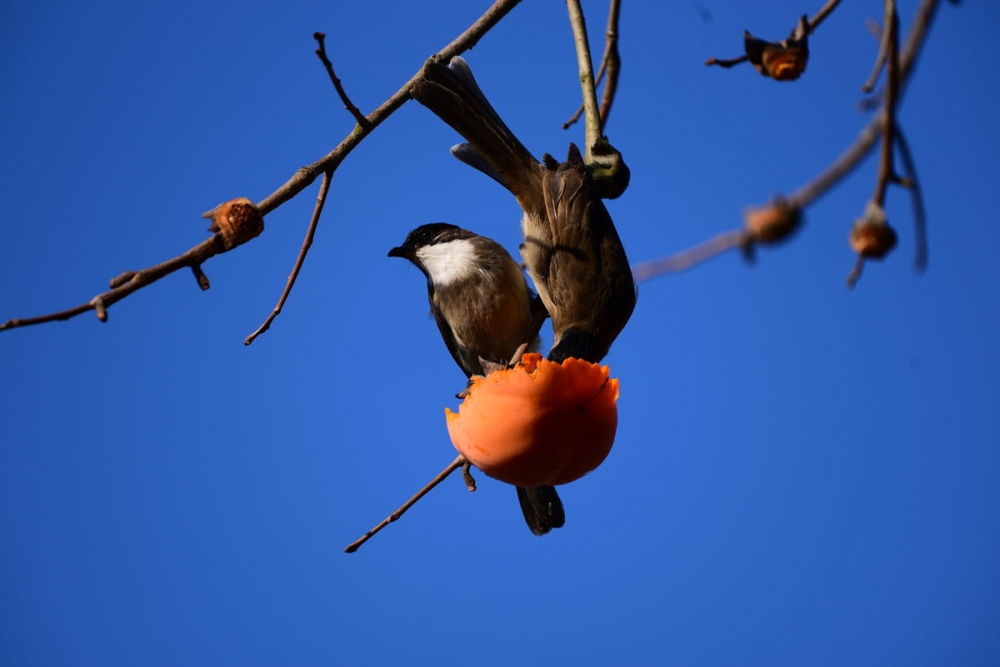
571 248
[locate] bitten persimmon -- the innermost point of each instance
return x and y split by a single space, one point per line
540 422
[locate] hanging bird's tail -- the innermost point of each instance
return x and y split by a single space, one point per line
452 94
542 508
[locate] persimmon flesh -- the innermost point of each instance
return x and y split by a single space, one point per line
540 422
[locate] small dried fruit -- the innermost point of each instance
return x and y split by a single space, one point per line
772 223
238 220
782 61
871 235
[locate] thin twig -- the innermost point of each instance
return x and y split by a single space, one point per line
883 52
440 477
726 63
538 318
329 162
865 141
359 117
821 15
592 116
324 190
137 280
886 169
917 197
855 274
887 172
611 64
470 481
302 179
682 261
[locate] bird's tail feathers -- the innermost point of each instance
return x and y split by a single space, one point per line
542 508
452 94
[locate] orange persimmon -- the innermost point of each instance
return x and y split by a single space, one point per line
540 422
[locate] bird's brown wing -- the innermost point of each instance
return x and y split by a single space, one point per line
590 286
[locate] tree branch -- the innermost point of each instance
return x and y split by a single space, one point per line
611 63
296 184
917 198
592 116
359 117
865 141
324 190
811 191
821 15
131 281
427 488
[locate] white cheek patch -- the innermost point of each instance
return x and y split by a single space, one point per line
449 262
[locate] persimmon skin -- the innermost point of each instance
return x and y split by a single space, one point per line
538 423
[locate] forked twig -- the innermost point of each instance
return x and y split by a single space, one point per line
812 190
130 281
296 184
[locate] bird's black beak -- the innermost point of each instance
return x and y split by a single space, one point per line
400 251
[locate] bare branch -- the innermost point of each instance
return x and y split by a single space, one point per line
136 280
821 15
726 63
887 171
592 115
296 184
917 198
611 63
324 190
865 141
359 117
855 274
871 236
883 51
440 477
828 178
682 261
329 162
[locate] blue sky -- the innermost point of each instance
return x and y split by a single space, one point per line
802 475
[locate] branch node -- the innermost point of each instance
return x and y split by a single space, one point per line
237 220
470 481
772 223
99 309
200 276
121 279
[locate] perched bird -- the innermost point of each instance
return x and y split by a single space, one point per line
571 248
483 308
